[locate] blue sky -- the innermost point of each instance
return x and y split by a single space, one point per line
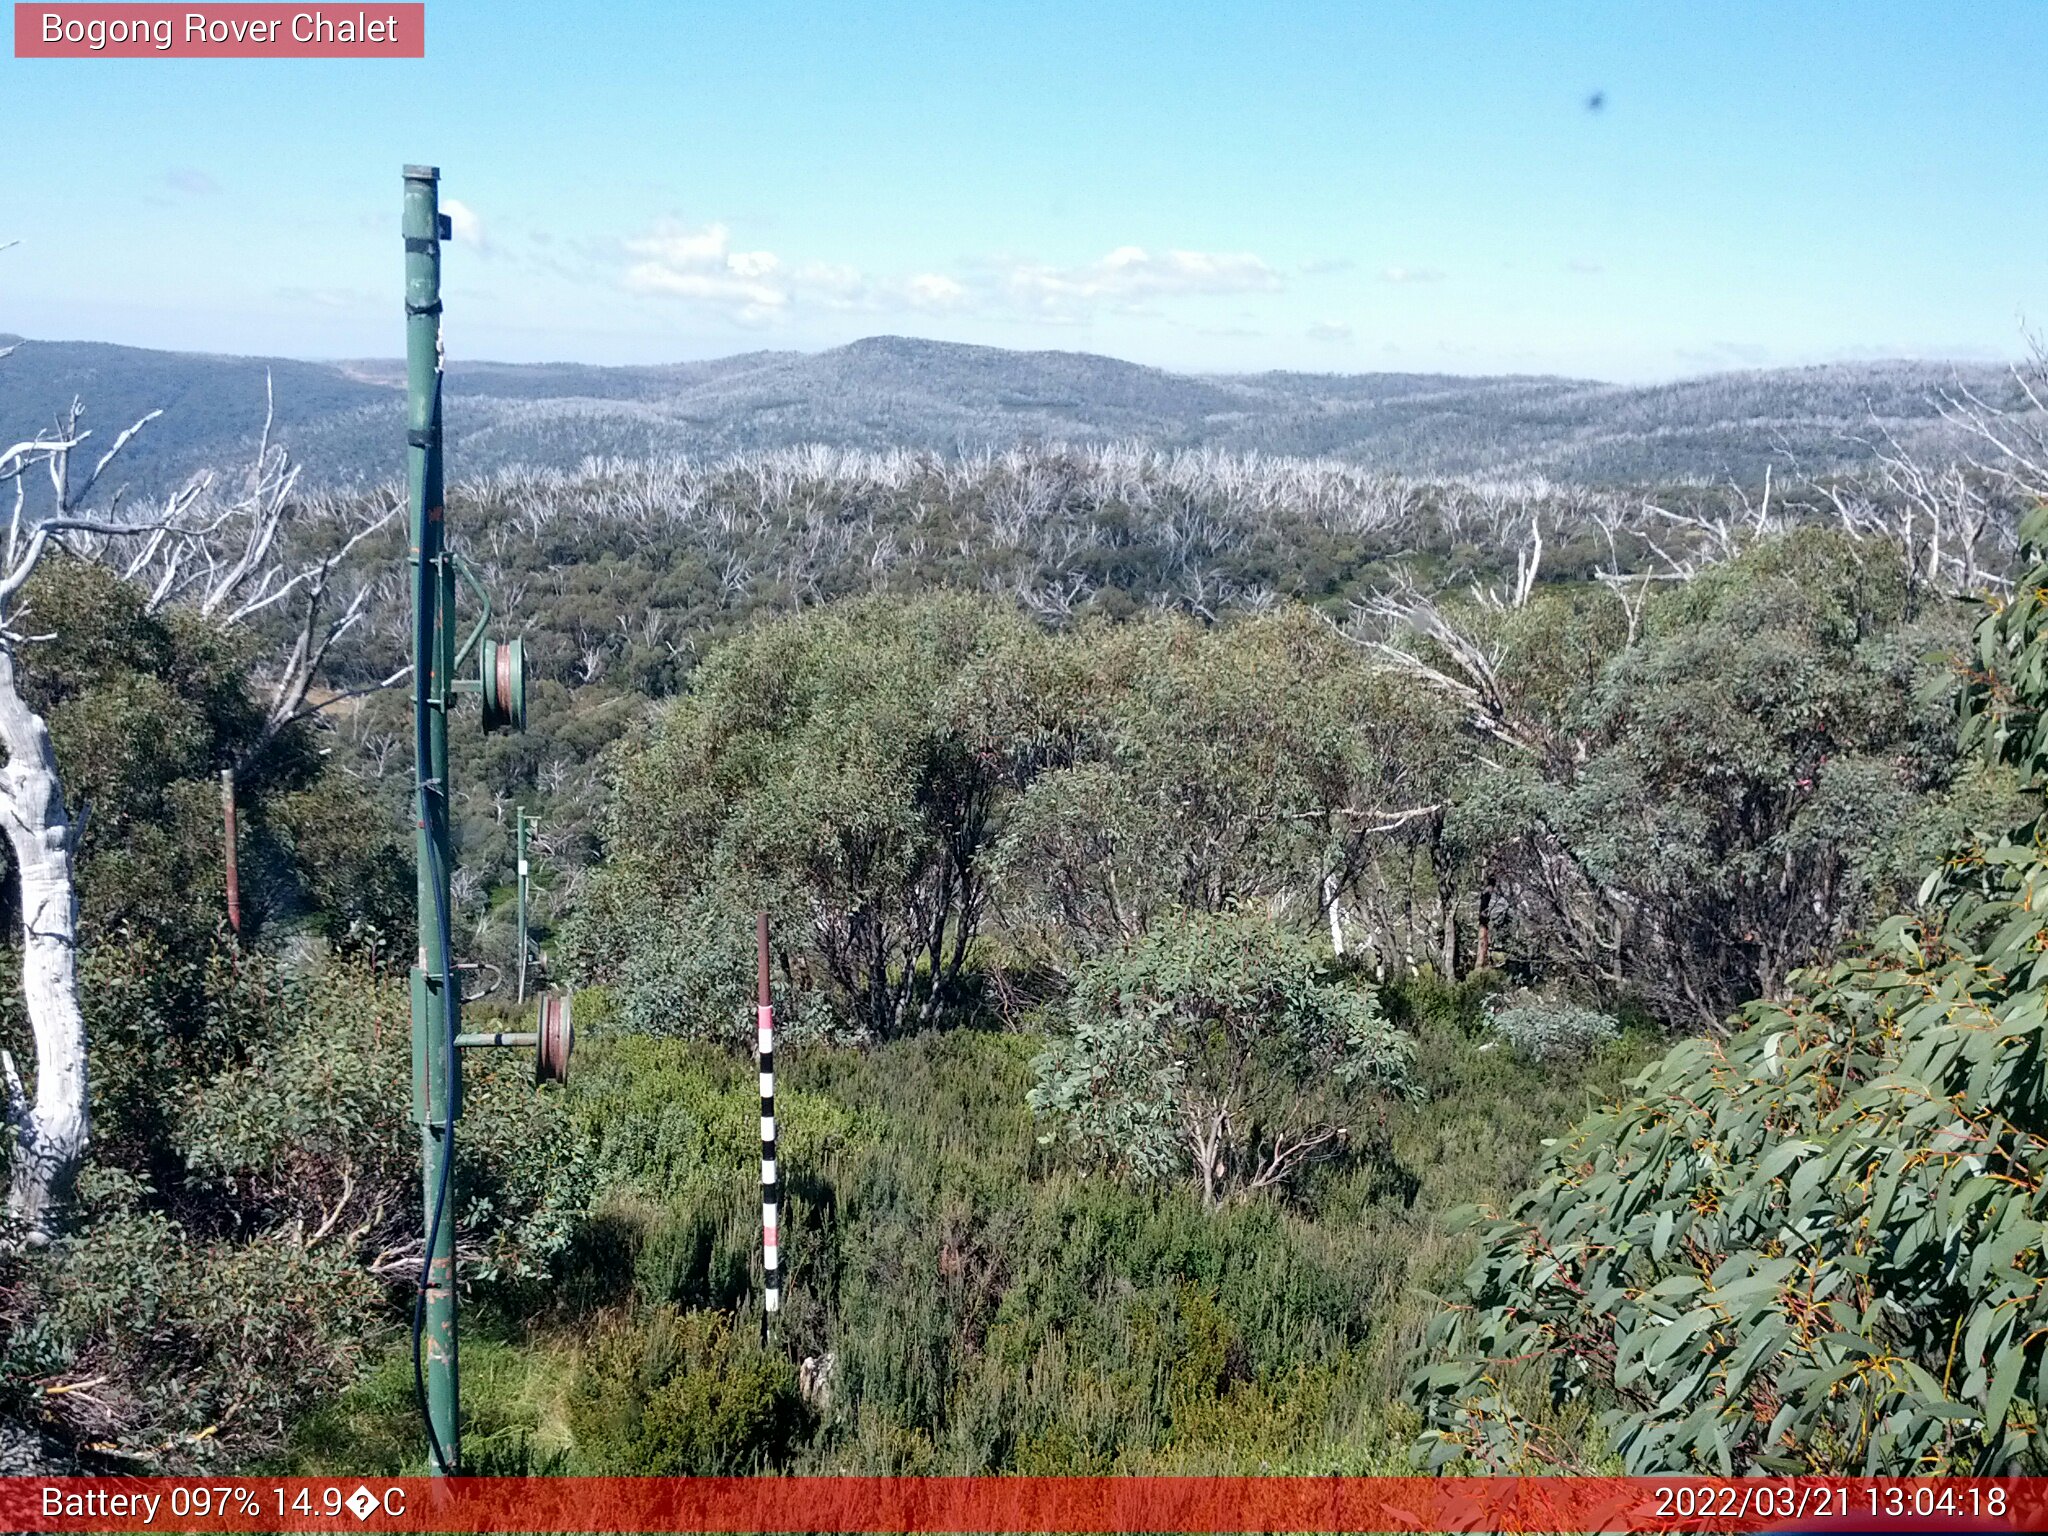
1206 186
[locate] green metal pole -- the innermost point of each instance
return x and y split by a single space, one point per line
435 1006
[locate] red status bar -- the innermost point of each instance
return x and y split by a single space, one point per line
1024 1504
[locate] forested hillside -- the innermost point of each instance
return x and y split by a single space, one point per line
1197 880
891 392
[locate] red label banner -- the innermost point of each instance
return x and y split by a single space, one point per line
1025 1504
232 31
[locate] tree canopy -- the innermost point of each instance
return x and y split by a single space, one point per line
1214 1048
1815 1246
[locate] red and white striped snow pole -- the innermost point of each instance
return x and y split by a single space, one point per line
764 1018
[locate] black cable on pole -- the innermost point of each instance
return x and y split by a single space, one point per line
419 1303
424 651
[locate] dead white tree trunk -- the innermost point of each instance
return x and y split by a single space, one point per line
51 1126
225 564
50 1131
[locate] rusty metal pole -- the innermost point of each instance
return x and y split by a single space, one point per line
227 817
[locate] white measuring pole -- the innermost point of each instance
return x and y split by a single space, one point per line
764 1019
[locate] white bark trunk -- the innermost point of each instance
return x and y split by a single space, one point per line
50 1133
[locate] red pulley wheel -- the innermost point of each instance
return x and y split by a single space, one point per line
557 1038
501 682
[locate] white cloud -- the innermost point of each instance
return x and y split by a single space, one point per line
675 246
1130 274
1329 330
1411 275
934 290
467 227
701 266
698 265
833 284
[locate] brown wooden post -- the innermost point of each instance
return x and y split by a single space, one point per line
227 816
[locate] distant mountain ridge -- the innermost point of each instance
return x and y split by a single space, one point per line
343 420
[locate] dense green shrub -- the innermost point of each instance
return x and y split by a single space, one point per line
356 885
1814 1247
688 971
1550 1029
1213 1048
234 1261
840 769
664 1118
978 1303
1747 785
145 711
1811 1248
1206 768
941 803
683 1394
311 1128
204 1349
989 1308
